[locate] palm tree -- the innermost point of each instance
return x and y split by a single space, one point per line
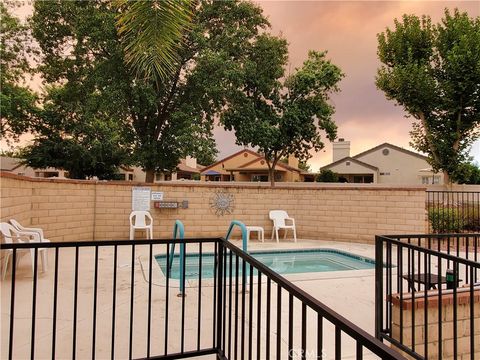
151 31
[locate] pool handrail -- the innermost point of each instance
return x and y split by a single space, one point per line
243 228
179 229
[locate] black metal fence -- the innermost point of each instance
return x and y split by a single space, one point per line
427 294
453 211
120 299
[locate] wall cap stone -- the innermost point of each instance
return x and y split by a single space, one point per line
463 297
216 184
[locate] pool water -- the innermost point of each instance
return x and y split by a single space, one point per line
280 261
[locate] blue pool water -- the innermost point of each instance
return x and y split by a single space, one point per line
281 261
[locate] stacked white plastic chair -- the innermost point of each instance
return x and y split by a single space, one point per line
11 234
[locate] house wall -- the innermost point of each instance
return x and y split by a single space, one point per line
234 162
353 168
292 176
85 210
403 168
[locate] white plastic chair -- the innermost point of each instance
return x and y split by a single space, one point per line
35 231
138 221
279 218
11 235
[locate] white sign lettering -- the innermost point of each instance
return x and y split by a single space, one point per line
157 195
141 198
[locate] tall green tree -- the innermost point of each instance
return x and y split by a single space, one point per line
17 101
168 119
282 117
433 71
82 136
467 173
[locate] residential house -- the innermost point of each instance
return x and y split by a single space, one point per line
383 164
15 166
187 169
247 165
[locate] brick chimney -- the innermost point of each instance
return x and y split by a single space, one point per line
341 149
191 162
292 161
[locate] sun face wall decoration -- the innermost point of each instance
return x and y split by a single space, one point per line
222 203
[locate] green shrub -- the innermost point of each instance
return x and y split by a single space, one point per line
446 220
327 176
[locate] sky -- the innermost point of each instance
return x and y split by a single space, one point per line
348 31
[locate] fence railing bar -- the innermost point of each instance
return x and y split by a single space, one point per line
250 314
259 314
199 301
338 343
230 308
235 347
472 318
167 295
279 322
267 320
114 300
132 302
55 298
105 243
224 299
304 332
34 302
183 295
95 288
149 308
75 300
244 289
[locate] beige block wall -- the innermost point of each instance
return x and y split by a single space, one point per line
16 200
447 321
85 210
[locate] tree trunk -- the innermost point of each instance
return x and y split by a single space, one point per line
271 176
149 176
446 178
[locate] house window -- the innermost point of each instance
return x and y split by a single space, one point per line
385 152
262 178
130 177
430 180
158 176
385 173
347 163
363 179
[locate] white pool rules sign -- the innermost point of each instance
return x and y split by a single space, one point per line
141 198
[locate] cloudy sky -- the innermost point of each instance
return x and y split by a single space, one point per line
348 29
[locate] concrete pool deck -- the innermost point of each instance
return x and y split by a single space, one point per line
349 293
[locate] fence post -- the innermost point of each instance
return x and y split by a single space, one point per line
219 309
378 286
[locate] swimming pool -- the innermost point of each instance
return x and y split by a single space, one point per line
280 261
